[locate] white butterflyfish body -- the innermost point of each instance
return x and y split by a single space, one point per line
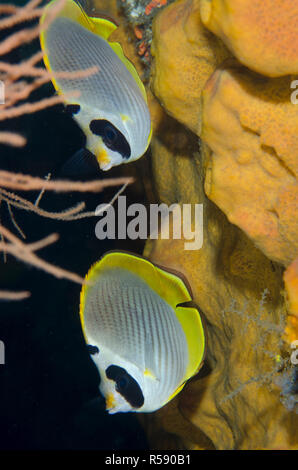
112 105
147 343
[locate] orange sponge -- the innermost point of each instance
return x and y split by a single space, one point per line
262 34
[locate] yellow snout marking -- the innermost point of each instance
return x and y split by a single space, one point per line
110 401
102 156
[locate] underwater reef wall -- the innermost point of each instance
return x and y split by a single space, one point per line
262 35
226 136
250 126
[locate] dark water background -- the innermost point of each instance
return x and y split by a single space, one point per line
48 383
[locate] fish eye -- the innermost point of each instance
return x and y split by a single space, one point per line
122 383
111 137
126 385
110 134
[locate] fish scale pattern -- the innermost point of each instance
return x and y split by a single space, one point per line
112 90
123 314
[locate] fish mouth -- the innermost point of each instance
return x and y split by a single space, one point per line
110 402
103 159
106 166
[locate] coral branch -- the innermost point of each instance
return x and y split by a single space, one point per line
18 181
26 253
29 12
13 139
20 80
73 213
10 295
12 76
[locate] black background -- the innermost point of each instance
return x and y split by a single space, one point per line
49 396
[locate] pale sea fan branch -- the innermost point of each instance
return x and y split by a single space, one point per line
13 139
15 88
26 252
27 13
11 295
16 91
19 15
73 213
18 181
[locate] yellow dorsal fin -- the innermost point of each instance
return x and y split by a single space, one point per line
102 26
73 11
168 286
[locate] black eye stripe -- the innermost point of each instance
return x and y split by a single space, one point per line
92 349
73 108
126 385
111 136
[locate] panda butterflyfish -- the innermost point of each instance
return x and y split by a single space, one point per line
144 342
112 105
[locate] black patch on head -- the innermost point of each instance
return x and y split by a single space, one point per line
126 386
73 108
111 136
92 349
